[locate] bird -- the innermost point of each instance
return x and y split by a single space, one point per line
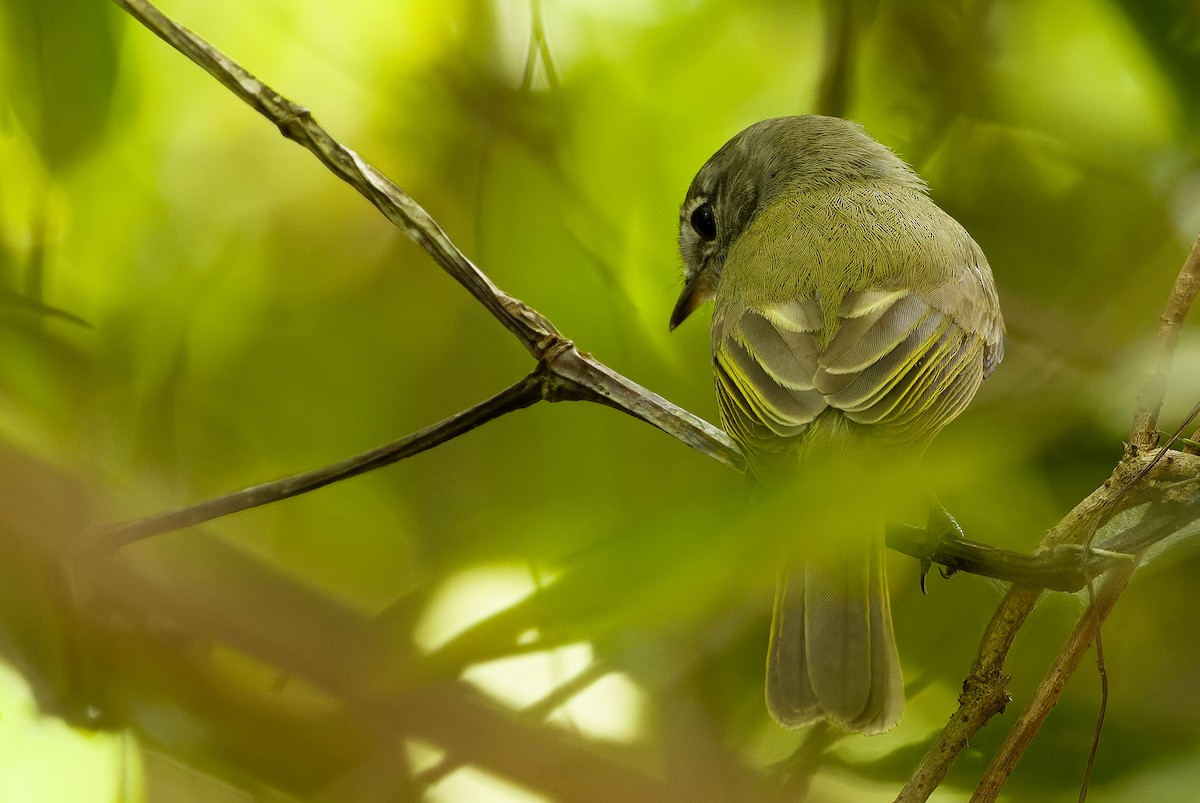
852 320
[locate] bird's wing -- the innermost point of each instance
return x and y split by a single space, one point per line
764 368
901 361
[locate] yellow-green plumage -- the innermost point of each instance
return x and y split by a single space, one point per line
853 319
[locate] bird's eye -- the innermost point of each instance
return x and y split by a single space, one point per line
703 221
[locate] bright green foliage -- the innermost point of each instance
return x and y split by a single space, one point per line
190 304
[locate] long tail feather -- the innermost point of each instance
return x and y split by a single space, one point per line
833 653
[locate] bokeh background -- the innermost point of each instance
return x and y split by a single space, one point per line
571 605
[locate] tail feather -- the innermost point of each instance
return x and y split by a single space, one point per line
790 697
837 626
833 652
886 703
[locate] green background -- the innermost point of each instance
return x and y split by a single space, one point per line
191 304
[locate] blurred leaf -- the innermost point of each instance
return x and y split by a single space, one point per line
62 58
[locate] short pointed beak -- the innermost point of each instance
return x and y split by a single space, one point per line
695 293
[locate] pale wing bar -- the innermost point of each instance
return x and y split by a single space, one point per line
899 361
909 373
764 372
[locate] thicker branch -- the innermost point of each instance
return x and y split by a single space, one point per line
1062 568
1171 480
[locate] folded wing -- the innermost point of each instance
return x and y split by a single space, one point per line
903 363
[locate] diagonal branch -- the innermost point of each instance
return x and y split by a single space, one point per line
297 124
566 375
1144 433
515 397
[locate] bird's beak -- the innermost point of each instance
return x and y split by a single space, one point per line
695 293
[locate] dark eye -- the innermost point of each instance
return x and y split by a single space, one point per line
703 222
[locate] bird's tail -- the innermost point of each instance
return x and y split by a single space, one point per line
833 653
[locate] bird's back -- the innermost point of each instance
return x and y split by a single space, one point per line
857 307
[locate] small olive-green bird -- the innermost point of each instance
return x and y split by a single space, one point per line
853 319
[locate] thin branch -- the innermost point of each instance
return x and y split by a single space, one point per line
1051 688
575 376
515 397
1102 671
1144 433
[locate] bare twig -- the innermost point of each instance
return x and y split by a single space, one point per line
1102 671
515 397
984 693
1138 477
582 377
565 375
573 375
1144 433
